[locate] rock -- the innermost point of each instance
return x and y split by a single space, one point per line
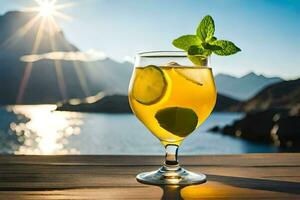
275 126
214 129
288 131
224 103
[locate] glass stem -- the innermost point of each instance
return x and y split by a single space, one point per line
171 160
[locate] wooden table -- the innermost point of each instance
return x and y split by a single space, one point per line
248 176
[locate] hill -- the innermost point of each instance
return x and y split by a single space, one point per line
106 104
282 95
244 87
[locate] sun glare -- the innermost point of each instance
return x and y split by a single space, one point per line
50 8
47 11
46 8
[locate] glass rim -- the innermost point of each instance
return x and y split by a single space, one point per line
195 67
166 54
154 54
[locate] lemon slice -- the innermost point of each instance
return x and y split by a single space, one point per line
193 75
150 85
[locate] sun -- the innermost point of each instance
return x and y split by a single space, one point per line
50 9
47 8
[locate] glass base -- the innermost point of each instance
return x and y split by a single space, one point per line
171 176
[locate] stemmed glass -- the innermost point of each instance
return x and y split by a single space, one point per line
171 96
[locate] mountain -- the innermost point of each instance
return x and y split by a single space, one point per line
244 87
113 76
224 103
282 95
16 40
44 82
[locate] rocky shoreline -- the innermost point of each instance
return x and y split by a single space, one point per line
272 116
280 127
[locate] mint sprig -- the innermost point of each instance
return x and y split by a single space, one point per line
204 43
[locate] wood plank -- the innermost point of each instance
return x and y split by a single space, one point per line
122 177
282 159
250 176
209 190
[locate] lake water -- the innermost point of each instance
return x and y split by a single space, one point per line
40 130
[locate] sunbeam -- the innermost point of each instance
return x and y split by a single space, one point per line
47 10
60 79
21 32
82 79
64 5
29 66
62 15
57 64
79 73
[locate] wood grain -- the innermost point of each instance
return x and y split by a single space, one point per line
247 176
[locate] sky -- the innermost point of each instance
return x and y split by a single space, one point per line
267 31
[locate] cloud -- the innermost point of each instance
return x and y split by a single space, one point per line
128 59
88 56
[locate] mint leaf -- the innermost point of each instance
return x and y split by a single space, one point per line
211 47
227 48
199 50
206 28
213 39
177 120
184 42
196 50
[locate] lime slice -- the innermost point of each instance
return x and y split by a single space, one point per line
177 120
150 85
191 74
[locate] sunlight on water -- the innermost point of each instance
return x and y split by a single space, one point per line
39 130
46 132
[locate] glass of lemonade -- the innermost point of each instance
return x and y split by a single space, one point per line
172 97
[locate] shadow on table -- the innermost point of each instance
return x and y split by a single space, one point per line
228 186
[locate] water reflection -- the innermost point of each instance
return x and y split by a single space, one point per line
8 139
171 192
209 190
57 133
46 132
231 187
176 192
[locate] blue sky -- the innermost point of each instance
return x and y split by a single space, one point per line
267 31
